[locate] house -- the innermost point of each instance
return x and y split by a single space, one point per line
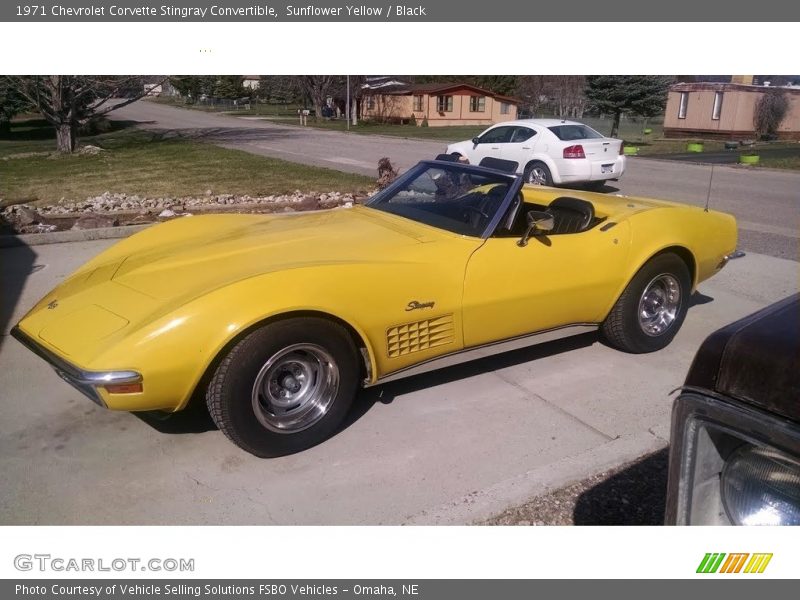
437 104
251 82
723 110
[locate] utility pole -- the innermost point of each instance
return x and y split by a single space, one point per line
347 108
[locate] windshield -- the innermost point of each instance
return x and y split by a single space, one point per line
568 133
450 197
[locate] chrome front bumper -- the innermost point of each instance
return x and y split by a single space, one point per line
86 382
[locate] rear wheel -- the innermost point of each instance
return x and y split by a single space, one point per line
285 387
652 308
537 173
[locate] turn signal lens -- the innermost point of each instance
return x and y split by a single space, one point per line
124 388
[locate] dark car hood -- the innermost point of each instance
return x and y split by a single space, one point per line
755 360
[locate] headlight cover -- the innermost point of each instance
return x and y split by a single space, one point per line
731 463
761 486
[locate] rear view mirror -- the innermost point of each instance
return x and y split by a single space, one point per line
538 222
475 142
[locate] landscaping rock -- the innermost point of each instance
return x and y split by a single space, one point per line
26 216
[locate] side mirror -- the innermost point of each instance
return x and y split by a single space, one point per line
538 222
475 142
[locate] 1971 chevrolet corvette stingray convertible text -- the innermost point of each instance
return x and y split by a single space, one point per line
278 320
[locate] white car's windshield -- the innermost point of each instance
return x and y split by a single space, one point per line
448 197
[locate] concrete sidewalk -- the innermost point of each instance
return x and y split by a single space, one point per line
448 447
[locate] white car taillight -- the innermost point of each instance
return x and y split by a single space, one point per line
575 151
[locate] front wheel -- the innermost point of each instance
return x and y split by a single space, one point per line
652 308
537 173
285 387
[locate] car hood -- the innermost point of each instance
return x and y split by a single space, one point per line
213 251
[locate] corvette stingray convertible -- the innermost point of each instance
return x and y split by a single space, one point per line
278 320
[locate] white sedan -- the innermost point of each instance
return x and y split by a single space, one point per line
548 151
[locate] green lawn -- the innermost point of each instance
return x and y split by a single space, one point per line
149 164
791 162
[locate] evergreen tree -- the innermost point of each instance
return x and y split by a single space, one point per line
11 104
639 95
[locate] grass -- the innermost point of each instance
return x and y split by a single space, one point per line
148 164
789 162
654 147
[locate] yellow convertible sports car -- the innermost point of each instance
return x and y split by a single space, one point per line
277 320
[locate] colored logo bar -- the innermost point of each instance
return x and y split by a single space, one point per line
719 562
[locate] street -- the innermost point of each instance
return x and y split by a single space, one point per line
765 202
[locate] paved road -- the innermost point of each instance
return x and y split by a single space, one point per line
765 202
447 447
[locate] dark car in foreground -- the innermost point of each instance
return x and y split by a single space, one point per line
735 447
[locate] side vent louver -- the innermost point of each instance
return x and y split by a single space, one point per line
419 335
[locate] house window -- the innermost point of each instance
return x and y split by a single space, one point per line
370 103
419 103
444 103
684 105
477 104
717 110
504 108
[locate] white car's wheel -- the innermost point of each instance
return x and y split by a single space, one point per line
537 173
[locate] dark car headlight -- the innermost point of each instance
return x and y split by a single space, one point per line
732 464
761 486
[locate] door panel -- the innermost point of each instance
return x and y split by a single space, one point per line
521 147
553 281
491 144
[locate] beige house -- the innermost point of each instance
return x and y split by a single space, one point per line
438 104
723 110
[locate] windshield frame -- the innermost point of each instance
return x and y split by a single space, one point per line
514 186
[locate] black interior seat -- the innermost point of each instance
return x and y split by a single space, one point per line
499 164
571 215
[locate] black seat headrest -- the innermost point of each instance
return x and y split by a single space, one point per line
447 157
498 164
576 206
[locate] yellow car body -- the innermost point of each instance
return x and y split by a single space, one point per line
163 305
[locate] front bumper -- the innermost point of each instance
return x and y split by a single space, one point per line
86 382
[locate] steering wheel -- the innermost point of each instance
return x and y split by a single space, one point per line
474 209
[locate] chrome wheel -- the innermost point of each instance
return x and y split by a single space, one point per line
537 175
295 388
659 304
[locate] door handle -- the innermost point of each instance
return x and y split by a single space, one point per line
526 148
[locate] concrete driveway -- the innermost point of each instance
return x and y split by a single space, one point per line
766 203
447 447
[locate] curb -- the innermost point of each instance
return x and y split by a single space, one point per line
78 235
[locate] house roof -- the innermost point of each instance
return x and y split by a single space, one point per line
441 88
728 87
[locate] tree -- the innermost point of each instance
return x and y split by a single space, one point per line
770 111
193 86
11 104
640 95
229 86
317 88
66 101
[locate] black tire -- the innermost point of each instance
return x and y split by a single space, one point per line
630 326
537 173
243 414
